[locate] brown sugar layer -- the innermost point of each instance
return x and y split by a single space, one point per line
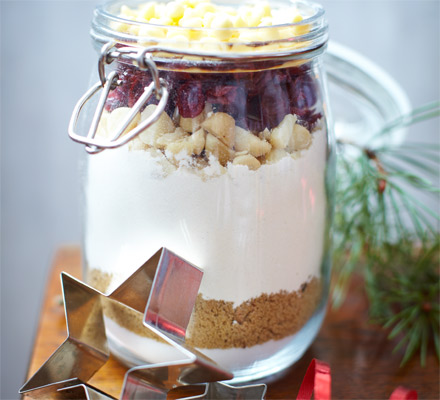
217 324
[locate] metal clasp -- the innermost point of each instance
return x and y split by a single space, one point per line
158 87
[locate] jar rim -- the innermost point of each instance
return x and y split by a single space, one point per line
315 36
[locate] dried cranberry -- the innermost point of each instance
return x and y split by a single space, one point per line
308 118
275 100
172 95
263 79
303 92
224 94
255 125
242 123
136 81
229 99
179 77
302 113
314 117
250 81
254 114
283 76
115 99
300 70
132 86
190 99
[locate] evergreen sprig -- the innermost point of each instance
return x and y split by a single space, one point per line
384 230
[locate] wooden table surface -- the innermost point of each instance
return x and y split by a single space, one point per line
360 356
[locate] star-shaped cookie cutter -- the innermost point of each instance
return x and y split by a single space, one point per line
219 390
82 391
166 287
84 351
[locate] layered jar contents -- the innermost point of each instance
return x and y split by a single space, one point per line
232 177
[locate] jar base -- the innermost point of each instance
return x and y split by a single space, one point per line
265 371
275 367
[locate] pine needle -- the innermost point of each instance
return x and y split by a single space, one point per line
384 231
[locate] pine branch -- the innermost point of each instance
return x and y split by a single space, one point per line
404 295
389 235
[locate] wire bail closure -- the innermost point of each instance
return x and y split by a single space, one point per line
158 87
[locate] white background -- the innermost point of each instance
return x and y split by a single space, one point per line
46 60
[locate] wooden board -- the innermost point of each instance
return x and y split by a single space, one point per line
360 356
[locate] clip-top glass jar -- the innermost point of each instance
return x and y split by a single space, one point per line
225 160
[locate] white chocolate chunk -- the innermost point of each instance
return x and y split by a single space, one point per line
180 41
175 10
250 161
127 12
194 22
281 134
202 8
269 34
239 22
150 32
247 141
163 21
207 19
221 22
222 126
266 21
147 10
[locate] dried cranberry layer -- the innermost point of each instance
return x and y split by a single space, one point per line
256 100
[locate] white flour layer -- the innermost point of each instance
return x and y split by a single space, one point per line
252 232
151 351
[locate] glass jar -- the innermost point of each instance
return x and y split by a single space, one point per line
234 175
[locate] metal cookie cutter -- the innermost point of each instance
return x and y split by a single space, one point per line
221 391
158 87
166 287
156 380
84 351
82 391
167 314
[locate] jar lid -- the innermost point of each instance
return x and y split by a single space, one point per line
363 97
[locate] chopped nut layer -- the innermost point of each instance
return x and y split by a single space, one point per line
209 134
